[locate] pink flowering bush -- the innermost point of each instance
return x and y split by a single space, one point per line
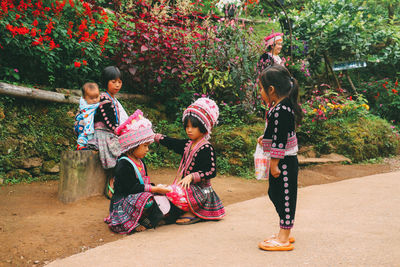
156 45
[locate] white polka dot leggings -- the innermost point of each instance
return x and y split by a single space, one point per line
283 191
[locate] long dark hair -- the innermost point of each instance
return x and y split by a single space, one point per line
285 86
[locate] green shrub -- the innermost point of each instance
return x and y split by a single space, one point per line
384 98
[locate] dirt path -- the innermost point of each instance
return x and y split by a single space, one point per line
36 228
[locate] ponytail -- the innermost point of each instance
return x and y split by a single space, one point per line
294 99
285 85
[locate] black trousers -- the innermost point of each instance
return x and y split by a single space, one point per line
283 191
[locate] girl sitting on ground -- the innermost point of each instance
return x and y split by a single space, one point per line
281 91
192 190
132 206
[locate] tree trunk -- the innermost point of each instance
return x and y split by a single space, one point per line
391 11
61 96
81 175
328 61
353 88
31 93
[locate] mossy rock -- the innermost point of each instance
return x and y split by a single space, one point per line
7 164
7 147
35 171
18 174
50 167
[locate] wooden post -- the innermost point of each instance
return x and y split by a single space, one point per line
81 175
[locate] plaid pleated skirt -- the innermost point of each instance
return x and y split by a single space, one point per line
204 202
127 213
108 146
199 199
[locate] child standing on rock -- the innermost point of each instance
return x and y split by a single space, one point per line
192 191
280 90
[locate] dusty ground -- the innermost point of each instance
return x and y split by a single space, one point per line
36 228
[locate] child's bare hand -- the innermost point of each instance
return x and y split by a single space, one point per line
275 171
161 190
259 139
185 182
274 168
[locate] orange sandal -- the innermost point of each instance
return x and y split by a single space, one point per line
274 245
291 238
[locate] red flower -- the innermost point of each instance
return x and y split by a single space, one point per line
77 64
35 22
71 2
394 91
84 62
53 45
17 16
38 41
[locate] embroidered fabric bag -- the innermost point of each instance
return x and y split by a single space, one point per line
262 163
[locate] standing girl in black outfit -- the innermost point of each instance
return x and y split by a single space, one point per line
280 90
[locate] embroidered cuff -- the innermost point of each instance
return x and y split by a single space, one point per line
266 144
158 137
196 177
277 153
147 188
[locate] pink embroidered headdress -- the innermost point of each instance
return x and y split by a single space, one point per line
134 131
206 110
272 38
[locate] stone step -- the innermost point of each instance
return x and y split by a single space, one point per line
329 158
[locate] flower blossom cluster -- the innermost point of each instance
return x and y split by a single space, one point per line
44 25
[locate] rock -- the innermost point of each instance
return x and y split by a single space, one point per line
35 171
7 164
18 174
50 167
8 145
62 141
30 163
36 262
81 175
307 151
330 158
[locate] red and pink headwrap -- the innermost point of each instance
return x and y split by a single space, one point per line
206 110
272 38
136 130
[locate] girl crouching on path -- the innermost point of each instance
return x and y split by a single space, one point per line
280 90
132 206
193 193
